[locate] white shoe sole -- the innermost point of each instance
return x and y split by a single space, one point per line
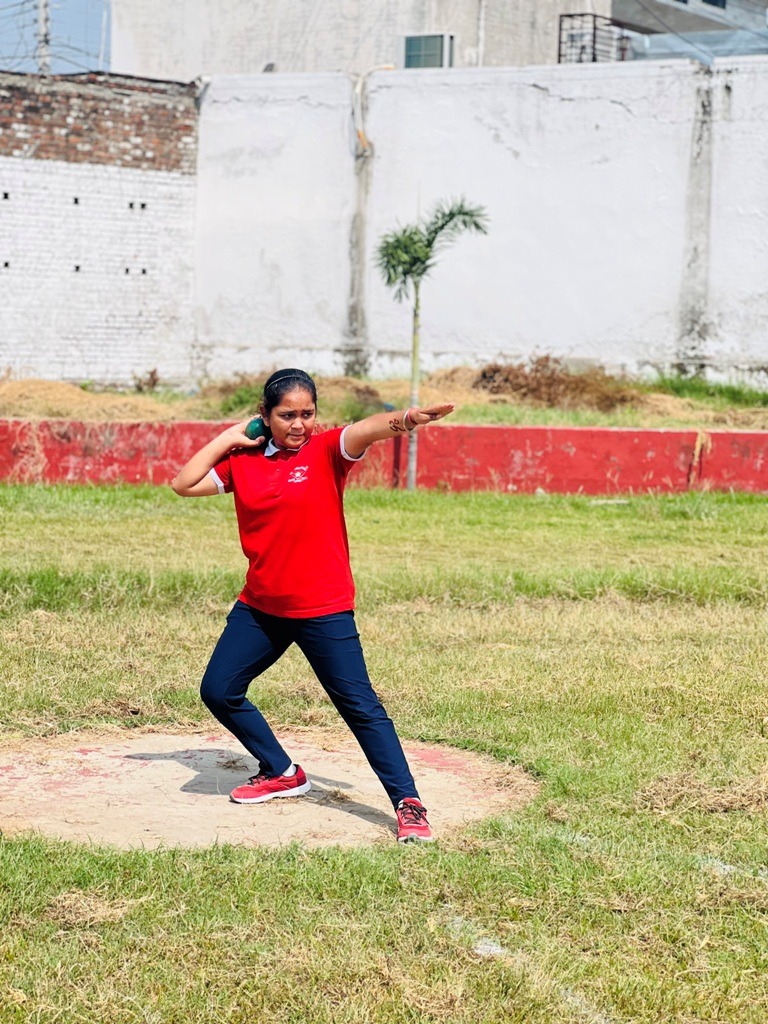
298 791
415 839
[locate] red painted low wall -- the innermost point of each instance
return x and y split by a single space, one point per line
509 459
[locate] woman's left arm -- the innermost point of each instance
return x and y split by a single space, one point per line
358 436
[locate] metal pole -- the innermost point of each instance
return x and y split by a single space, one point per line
410 481
43 37
103 43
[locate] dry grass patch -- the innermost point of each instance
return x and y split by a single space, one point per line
78 909
730 895
685 791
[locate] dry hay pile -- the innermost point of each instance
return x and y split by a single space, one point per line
657 406
46 399
542 382
545 382
740 419
458 385
337 390
332 391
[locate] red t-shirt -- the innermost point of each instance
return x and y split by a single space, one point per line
290 513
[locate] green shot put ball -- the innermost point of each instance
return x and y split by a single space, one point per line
256 428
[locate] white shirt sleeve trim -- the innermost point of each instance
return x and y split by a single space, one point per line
217 480
345 453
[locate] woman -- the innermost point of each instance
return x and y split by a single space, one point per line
298 589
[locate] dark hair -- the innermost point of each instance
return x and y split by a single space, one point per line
282 382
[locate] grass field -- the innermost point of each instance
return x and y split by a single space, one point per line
616 649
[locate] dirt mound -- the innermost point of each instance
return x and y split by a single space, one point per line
741 419
46 399
340 399
657 406
460 378
670 406
454 385
338 391
545 382
147 789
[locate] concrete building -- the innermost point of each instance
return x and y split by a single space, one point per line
230 227
184 39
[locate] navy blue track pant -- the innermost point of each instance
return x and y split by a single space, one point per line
252 641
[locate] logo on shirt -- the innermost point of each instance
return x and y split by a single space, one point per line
298 475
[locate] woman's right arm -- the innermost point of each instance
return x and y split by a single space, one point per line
193 481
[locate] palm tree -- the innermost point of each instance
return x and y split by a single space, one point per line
405 257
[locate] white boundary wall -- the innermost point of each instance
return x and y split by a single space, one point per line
628 213
275 202
128 308
738 264
627 203
584 176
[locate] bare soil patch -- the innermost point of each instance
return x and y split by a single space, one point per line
150 789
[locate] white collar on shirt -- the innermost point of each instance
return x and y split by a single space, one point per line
272 449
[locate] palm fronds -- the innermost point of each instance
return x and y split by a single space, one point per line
406 256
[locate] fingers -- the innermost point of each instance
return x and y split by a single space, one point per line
431 413
239 439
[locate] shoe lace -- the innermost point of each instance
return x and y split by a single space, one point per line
413 814
261 777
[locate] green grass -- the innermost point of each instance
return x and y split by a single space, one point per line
719 395
509 414
615 649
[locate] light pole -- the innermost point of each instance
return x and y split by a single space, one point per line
43 37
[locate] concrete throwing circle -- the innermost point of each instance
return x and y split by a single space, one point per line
150 789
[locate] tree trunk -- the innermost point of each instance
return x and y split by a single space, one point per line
415 375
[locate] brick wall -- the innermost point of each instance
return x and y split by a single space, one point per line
99 119
97 200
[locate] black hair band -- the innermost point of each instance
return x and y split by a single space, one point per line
288 376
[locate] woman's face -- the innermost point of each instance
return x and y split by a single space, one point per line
292 420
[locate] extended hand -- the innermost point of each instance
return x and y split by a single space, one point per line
419 417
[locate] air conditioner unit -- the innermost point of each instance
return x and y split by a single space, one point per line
427 50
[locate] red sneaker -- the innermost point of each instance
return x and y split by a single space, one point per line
412 824
261 788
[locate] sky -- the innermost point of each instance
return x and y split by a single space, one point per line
79 35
